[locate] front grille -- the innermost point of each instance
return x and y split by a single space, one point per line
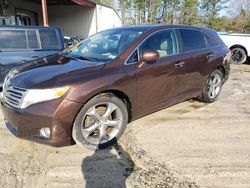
13 96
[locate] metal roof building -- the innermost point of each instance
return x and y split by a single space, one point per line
74 17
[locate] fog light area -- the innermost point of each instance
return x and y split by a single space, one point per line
45 132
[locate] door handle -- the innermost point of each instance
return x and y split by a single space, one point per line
179 64
210 55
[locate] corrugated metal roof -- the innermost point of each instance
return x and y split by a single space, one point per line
86 3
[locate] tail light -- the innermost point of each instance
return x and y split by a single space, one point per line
229 53
228 56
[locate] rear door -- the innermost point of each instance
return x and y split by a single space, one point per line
196 57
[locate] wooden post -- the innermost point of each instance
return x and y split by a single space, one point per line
45 13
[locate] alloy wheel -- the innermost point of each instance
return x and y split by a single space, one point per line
101 123
214 86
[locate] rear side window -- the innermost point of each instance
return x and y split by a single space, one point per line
48 39
13 39
192 40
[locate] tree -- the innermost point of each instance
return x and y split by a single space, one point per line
152 11
192 12
240 17
125 7
210 12
189 12
243 17
171 12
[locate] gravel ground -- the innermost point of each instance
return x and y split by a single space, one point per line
191 144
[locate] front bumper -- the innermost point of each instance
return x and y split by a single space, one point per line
57 114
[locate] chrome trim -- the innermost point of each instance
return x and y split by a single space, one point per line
13 96
178 45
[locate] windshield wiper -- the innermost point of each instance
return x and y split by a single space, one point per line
83 58
86 58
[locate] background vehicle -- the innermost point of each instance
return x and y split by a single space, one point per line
72 41
111 78
24 43
239 44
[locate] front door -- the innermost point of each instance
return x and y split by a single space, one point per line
159 81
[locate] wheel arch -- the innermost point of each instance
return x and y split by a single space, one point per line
124 97
119 94
222 69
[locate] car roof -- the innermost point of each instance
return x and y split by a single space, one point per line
163 26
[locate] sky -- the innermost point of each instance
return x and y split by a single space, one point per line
225 12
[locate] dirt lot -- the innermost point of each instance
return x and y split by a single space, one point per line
188 145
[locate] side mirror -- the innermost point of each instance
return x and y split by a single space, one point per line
150 55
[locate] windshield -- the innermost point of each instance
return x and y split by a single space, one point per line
106 45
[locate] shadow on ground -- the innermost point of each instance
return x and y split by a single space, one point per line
248 61
107 168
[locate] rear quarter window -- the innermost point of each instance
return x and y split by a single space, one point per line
192 40
214 35
211 41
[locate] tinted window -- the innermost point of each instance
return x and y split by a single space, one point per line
48 39
211 41
163 42
192 40
32 39
13 39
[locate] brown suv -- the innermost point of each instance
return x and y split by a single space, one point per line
118 75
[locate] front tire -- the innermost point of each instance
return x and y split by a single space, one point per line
100 122
213 87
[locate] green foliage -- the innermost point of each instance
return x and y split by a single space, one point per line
210 12
191 12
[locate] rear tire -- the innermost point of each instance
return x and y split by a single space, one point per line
212 88
239 56
100 122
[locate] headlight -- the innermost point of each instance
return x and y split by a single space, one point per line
40 95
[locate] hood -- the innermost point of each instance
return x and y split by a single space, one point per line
52 71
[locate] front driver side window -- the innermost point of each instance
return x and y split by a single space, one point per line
164 42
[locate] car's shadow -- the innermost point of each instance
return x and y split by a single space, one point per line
248 61
107 168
